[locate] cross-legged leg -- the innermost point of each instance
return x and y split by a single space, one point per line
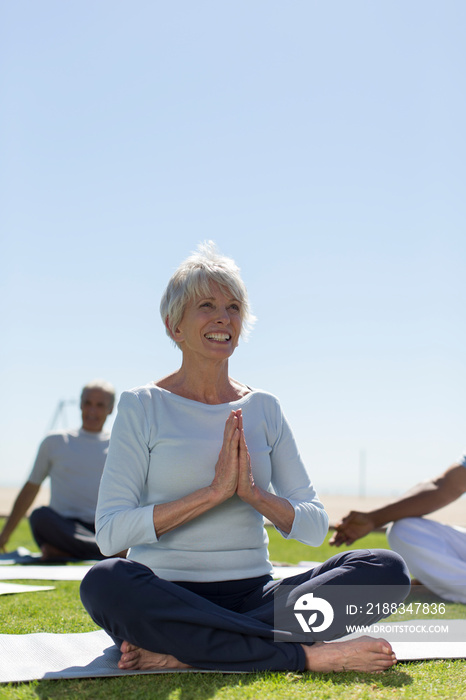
63 537
362 586
135 606
143 612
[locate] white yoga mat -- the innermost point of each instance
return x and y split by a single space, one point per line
76 572
92 654
26 657
8 588
285 571
45 572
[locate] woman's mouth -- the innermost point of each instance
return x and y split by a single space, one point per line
218 337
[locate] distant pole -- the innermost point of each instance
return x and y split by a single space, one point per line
60 413
362 473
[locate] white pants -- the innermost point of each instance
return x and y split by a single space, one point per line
434 553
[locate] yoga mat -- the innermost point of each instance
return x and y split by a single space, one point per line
65 572
44 572
285 571
45 656
8 588
92 654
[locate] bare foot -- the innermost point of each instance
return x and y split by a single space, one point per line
362 654
134 658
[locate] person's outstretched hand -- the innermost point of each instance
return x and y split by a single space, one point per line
351 528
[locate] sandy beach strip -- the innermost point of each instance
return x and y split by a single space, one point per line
8 495
336 506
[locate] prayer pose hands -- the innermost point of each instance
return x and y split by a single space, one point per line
233 472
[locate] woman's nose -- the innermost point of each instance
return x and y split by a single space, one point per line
223 315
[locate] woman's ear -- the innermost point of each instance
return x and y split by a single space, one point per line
174 333
167 326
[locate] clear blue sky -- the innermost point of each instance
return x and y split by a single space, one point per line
322 145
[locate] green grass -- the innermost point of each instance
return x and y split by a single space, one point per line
60 610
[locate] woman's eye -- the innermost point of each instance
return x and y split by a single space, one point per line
206 303
235 307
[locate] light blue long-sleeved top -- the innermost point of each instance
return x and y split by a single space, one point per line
164 447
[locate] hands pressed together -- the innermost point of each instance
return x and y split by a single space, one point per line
233 472
233 475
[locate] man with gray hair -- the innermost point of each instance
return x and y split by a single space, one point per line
74 461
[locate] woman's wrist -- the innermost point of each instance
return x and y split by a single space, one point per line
278 510
216 495
254 496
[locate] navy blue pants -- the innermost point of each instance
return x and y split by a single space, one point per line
231 625
74 537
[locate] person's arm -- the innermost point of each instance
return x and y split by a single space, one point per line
294 508
278 510
23 501
422 499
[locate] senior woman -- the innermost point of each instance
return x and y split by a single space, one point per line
186 488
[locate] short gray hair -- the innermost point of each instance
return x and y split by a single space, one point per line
194 277
104 386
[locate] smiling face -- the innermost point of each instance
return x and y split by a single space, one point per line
211 325
96 405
